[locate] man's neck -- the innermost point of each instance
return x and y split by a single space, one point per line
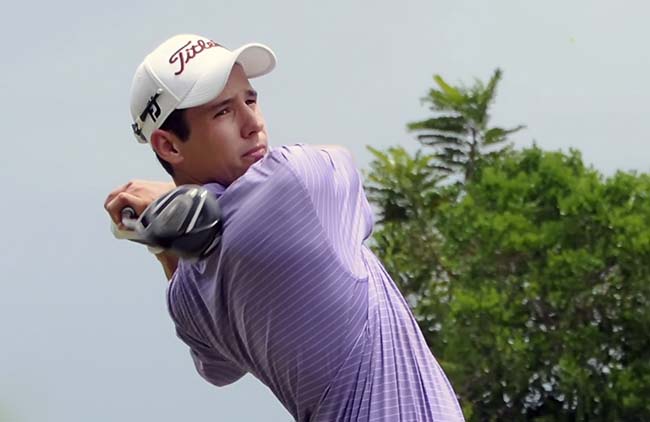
183 179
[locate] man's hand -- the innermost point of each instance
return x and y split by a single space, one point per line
137 194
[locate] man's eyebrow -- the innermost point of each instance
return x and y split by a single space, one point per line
249 93
220 104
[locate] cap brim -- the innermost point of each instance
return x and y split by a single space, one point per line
255 59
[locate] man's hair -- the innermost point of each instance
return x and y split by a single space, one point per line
176 124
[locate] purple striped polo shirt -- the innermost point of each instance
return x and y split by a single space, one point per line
294 297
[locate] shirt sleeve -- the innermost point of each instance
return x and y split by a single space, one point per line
208 362
335 187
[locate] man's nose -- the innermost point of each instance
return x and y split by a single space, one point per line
253 123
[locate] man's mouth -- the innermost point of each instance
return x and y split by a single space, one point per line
255 153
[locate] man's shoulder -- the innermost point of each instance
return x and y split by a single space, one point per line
302 149
284 167
312 160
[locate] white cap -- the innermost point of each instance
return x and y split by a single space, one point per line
187 71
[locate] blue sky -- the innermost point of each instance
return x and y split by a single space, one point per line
85 333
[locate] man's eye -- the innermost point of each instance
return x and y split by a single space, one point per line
222 112
251 101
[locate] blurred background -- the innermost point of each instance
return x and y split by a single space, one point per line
84 332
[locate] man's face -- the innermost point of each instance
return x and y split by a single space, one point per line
227 135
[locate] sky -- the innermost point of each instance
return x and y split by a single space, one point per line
84 331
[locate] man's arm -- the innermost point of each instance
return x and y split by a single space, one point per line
208 361
138 194
169 263
331 179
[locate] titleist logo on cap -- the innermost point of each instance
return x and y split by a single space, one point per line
187 52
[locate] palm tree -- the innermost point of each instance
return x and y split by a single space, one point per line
459 132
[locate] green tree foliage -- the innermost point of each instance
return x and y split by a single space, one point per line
459 132
531 283
406 191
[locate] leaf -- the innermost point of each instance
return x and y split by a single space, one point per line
434 140
496 134
443 123
486 96
452 93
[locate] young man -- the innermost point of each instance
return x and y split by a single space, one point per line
292 295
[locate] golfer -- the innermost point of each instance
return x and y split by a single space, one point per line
291 295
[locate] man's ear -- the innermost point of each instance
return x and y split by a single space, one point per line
165 144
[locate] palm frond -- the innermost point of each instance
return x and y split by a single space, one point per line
441 123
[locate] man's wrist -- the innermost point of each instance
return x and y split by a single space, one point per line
168 261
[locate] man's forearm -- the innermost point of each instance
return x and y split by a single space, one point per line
169 263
